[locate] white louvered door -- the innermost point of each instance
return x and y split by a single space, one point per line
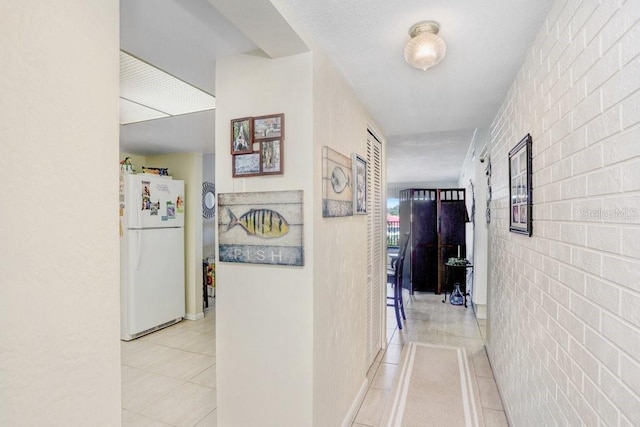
376 299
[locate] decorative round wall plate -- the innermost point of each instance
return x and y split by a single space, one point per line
208 200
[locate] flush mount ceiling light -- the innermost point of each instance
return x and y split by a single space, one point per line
426 48
148 93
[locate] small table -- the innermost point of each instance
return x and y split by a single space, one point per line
449 269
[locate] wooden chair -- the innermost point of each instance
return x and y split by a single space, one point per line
394 276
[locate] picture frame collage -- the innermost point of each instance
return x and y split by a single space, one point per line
257 145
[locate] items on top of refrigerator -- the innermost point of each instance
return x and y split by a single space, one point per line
156 171
126 166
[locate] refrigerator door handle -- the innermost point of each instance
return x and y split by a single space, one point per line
138 249
139 209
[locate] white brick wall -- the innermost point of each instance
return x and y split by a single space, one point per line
564 304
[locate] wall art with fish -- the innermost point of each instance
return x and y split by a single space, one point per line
261 228
337 188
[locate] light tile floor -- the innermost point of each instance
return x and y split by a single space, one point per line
431 321
169 376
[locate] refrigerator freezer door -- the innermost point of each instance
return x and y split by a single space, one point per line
153 289
153 202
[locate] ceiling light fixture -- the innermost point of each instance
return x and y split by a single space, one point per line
148 93
426 48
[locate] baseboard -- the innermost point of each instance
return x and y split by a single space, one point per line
196 316
480 310
353 410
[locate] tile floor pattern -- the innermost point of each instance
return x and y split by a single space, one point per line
431 321
169 377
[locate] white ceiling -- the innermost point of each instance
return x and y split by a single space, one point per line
428 117
183 38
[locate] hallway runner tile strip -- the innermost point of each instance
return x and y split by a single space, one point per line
436 386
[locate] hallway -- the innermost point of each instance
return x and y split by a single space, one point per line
431 321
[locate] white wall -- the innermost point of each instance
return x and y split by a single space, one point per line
340 262
564 304
473 170
59 287
188 167
264 323
291 346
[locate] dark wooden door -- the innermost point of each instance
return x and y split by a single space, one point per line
452 216
436 220
425 242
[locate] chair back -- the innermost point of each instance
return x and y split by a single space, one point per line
399 267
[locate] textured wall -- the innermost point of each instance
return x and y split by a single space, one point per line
264 313
473 170
298 355
59 262
340 248
563 309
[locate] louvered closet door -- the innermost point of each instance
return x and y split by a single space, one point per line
376 298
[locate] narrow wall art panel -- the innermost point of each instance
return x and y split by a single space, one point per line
520 190
261 228
337 191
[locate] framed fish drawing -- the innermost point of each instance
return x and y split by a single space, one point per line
337 188
261 228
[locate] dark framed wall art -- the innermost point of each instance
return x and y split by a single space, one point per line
242 136
271 126
246 165
359 180
257 146
271 155
520 187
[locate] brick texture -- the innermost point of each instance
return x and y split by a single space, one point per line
564 304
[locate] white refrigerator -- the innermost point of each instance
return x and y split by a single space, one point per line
152 294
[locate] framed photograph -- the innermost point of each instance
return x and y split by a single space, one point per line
271 126
359 168
271 155
520 187
337 194
246 165
242 135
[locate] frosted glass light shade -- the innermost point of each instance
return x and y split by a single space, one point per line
426 48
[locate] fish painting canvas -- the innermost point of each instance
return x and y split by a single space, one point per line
261 228
337 188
